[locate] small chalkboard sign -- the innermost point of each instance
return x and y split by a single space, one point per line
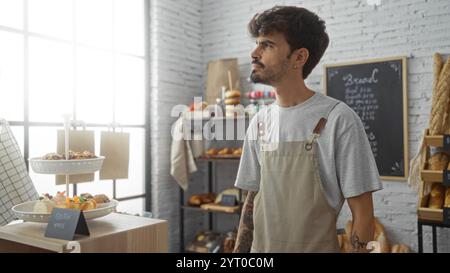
65 223
228 200
376 90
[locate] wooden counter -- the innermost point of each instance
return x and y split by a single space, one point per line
114 233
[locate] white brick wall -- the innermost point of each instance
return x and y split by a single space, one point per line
414 28
176 78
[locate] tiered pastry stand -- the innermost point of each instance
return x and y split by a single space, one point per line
25 211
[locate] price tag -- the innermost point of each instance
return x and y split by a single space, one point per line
65 223
228 200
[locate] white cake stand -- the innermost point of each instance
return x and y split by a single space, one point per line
25 211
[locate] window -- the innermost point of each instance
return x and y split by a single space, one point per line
84 57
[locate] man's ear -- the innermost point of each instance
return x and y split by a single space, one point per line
301 56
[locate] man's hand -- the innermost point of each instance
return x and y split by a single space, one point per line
363 228
245 232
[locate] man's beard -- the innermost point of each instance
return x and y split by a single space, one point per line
269 76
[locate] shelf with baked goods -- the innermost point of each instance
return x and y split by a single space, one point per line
212 242
214 208
221 145
227 202
224 154
437 169
434 191
220 158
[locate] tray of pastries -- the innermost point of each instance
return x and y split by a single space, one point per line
93 206
78 163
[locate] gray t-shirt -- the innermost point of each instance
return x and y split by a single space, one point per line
347 167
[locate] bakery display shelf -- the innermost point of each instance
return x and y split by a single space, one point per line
213 208
426 214
435 141
220 158
430 176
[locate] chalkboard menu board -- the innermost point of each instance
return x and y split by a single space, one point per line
377 91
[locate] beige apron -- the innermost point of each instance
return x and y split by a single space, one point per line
291 213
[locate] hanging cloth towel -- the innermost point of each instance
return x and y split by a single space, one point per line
181 157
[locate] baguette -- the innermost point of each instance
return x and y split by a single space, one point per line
440 104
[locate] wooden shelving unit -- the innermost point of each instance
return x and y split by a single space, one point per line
427 216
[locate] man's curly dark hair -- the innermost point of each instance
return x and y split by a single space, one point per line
301 28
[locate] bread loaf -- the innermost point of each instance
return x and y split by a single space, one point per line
440 102
200 199
447 198
400 249
381 237
438 162
437 196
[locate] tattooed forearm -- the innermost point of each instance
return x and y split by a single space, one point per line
357 245
245 232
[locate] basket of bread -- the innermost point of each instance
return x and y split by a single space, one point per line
78 163
93 206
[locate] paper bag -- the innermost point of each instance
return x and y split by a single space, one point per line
218 77
79 141
115 147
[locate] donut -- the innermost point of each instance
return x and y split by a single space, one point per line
232 94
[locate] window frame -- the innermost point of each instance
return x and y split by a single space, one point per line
26 124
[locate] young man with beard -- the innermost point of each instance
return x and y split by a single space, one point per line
304 155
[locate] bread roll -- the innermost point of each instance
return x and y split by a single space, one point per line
195 200
211 152
224 151
88 205
200 199
101 198
232 94
438 162
381 237
237 152
437 196
447 198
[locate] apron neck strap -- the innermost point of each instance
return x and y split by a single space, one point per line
320 125
323 121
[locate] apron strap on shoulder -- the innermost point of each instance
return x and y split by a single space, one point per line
320 125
